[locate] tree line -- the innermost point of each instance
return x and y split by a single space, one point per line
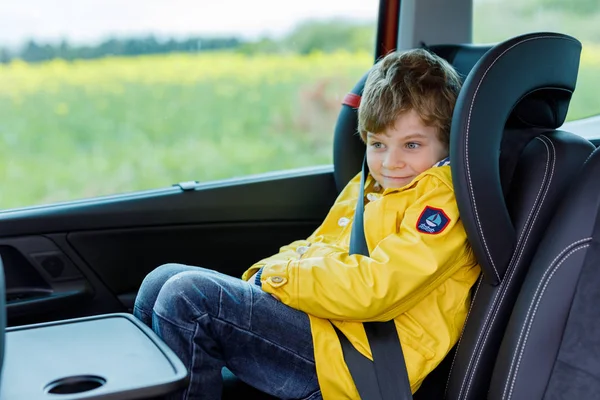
307 37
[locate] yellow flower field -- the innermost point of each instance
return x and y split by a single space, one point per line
72 130
116 125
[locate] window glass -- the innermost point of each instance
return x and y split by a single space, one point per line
100 97
497 20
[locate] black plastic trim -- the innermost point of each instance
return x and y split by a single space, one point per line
302 194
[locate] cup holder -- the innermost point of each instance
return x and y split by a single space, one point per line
74 384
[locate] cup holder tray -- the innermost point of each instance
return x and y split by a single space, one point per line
88 358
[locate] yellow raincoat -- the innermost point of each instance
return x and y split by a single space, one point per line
419 273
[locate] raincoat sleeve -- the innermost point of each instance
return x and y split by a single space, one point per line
402 269
285 253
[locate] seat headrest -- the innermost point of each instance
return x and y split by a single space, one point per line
348 149
462 57
524 82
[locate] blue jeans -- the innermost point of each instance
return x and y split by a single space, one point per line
211 320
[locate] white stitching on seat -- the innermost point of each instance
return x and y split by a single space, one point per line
471 193
536 198
461 335
486 327
467 141
547 187
530 317
512 266
531 305
553 261
537 212
462 385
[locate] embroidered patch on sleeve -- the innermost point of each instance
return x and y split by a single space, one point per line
432 221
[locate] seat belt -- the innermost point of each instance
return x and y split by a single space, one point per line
384 378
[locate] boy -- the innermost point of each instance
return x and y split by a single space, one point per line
275 331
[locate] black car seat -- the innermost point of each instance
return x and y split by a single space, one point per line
551 347
348 153
510 168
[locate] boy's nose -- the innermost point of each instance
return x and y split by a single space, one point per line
393 160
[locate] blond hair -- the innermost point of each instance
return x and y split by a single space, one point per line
410 80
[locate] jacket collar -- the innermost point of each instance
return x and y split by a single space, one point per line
442 163
371 181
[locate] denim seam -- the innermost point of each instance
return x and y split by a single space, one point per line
192 343
200 314
220 303
315 395
172 322
265 340
142 311
251 309
195 321
192 361
191 304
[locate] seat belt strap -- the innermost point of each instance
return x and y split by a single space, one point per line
358 241
386 377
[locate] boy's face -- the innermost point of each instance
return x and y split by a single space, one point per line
400 153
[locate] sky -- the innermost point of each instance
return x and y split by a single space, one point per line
90 21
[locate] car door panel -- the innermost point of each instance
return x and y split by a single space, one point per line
90 256
282 196
46 280
123 257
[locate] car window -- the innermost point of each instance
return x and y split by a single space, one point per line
497 20
97 98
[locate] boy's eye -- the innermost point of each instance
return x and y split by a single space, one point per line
413 145
377 145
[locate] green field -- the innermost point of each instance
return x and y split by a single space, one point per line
116 125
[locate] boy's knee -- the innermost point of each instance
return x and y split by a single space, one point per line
158 276
165 271
153 282
195 291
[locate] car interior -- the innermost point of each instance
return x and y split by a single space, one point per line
525 185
